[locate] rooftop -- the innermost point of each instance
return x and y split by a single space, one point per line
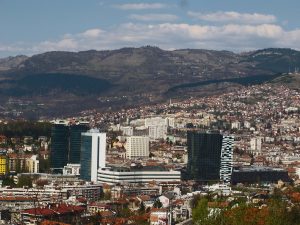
136 168
257 168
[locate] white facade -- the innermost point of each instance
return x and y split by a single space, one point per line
247 124
127 131
71 169
109 176
157 131
171 122
298 172
96 155
52 193
156 121
226 159
159 217
137 147
255 144
236 125
33 164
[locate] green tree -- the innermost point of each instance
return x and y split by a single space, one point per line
24 181
44 165
157 203
142 208
200 212
8 181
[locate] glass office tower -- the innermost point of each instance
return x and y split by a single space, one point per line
204 155
75 142
65 144
59 145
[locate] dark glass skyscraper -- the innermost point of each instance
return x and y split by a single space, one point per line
65 144
59 145
209 156
75 142
204 155
86 157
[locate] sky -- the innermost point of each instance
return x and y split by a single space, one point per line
35 26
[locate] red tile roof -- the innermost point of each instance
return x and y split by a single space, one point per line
60 209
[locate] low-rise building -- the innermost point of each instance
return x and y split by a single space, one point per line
137 174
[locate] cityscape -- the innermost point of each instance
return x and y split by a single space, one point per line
174 112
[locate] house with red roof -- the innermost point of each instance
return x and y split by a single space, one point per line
62 212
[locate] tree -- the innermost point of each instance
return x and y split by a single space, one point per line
200 213
157 204
8 181
96 219
44 165
142 208
24 181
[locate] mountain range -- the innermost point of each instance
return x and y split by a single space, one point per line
67 82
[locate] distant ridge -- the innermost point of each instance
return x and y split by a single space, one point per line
134 75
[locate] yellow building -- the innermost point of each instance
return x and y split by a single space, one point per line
3 164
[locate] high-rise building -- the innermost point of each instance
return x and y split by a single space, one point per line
226 159
93 154
59 145
137 147
255 145
75 142
209 156
65 144
157 131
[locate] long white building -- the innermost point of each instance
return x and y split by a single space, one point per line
156 121
123 175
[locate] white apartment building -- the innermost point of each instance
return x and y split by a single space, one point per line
255 144
137 147
33 164
157 131
171 122
156 121
127 131
236 125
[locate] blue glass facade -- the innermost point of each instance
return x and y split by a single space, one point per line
75 142
65 144
86 157
59 145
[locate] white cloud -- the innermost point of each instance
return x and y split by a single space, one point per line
237 37
92 33
67 44
154 17
234 37
140 6
234 17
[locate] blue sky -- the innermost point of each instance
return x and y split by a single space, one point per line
35 26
